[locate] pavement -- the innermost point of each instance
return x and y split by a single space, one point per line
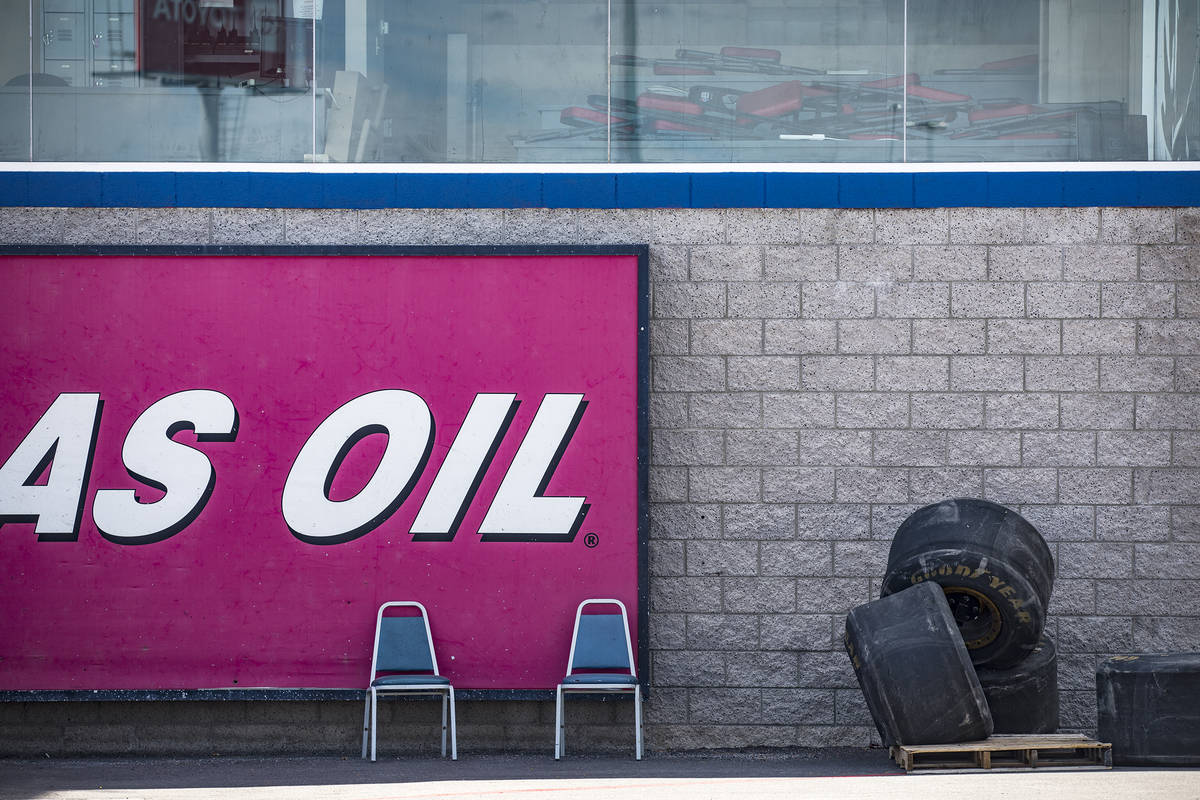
841 774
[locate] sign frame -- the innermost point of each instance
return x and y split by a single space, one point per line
639 251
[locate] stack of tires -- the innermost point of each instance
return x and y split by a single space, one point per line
995 574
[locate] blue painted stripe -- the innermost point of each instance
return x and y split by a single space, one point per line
601 190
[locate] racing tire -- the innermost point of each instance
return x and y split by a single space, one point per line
1148 707
914 671
1024 698
995 568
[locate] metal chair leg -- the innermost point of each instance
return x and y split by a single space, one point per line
558 723
637 718
374 721
453 729
445 702
366 721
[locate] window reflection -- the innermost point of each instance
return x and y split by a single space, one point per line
412 81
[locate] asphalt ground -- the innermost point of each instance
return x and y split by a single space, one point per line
835 774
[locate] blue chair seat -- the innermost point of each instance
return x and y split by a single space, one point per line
599 677
411 680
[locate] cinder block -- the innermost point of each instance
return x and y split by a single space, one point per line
835 448
1066 225
829 670
1025 263
798 560
800 337
1021 336
1136 374
1062 373
988 300
724 484
947 411
762 225
722 558
1142 598
910 448
684 226
761 447
1187 300
1026 411
614 226
1133 523
912 373
872 410
1169 337
1101 485
871 485
913 300
763 373
1074 596
957 263
934 485
688 373
725 706
1095 560
1169 561
1058 449
688 668
1169 262
832 595
875 263
1062 523
838 300
986 373
982 448
727 263
1137 300
804 263
684 595
1137 225
1100 263
1024 485
727 410
1099 337
669 337
1185 450
520 226
875 336
865 559
1097 411
797 707
837 226
763 522
764 300
46 225
987 225
675 300
684 521
912 225
668 263
831 522
666 559
687 447
1187 374
838 372
179 225
951 337
759 596
117 225
798 410
1095 634
1174 634
1187 225
798 485
1168 411
723 336
668 484
1073 300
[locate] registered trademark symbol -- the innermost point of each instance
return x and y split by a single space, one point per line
591 540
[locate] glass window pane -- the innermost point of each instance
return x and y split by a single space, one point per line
174 80
763 81
1028 80
16 76
1175 101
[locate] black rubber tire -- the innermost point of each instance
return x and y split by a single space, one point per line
914 670
996 569
1149 708
1024 698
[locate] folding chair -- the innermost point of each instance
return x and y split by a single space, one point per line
404 650
600 647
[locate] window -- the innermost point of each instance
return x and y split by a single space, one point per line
600 81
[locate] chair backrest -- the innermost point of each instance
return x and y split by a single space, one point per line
403 644
601 642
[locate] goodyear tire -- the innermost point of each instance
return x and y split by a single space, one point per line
1024 698
995 568
914 670
1149 708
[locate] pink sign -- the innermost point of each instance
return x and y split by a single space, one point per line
215 468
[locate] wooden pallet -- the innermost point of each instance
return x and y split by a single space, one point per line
1054 750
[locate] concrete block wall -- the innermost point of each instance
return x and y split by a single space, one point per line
818 374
